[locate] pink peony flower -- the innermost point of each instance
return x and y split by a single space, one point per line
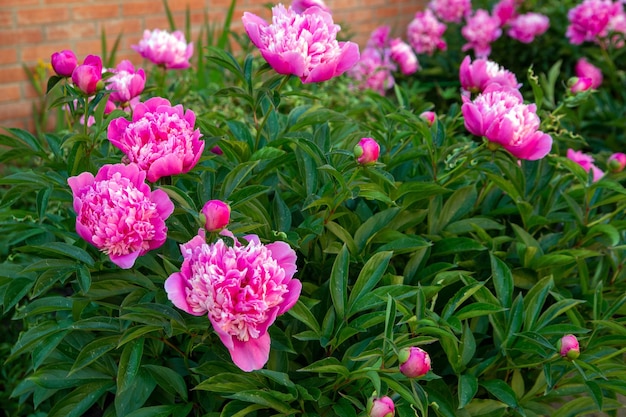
617 162
505 10
381 407
241 288
617 30
586 162
169 50
64 62
160 138
379 38
126 83
477 75
374 71
304 44
366 151
414 362
88 76
429 116
579 84
117 213
402 53
500 115
300 6
452 11
425 33
568 347
589 21
526 27
584 68
215 215
480 31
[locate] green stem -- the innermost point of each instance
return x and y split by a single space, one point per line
259 130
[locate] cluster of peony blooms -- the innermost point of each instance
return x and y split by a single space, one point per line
596 21
498 113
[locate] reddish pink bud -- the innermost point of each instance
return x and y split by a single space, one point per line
215 215
381 407
429 116
568 347
414 362
579 84
584 68
617 162
64 62
366 151
88 76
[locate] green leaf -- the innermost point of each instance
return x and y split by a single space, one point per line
228 382
93 351
236 177
156 411
502 391
303 314
130 363
453 245
502 280
60 248
271 399
77 402
468 387
370 275
371 226
535 300
343 235
328 365
168 379
136 394
457 205
339 281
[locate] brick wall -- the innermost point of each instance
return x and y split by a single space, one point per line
31 30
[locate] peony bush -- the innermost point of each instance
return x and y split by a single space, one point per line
286 223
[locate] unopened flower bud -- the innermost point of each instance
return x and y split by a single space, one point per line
568 347
366 151
215 215
64 62
414 362
579 84
617 162
381 407
429 116
88 76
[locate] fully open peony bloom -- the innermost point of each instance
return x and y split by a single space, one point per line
505 10
117 213
303 44
374 70
480 31
500 115
402 53
88 76
527 26
477 75
169 50
586 162
589 21
242 289
126 83
425 33
452 11
300 6
160 139
379 38
584 68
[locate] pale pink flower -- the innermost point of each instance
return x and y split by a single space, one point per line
579 84
88 76
215 215
367 151
617 162
452 11
589 21
300 6
425 33
304 45
117 213
480 31
505 10
617 30
379 38
527 26
429 116
569 347
126 83
381 407
242 289
404 56
169 50
477 75
500 115
586 162
64 62
160 138
584 68
414 362
374 71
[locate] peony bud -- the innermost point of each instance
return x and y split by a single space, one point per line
617 162
568 347
584 68
366 151
215 215
429 116
64 63
88 76
381 407
414 362
579 84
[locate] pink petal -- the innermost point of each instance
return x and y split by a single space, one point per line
125 261
251 355
175 287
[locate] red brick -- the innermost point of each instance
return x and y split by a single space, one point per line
142 8
176 6
12 73
10 92
67 31
8 55
42 15
6 18
90 47
95 11
6 3
15 110
20 36
33 53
